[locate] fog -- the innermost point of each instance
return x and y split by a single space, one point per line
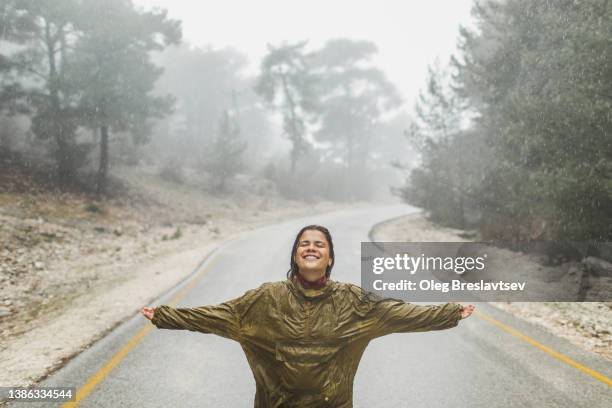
409 35
444 105
203 68
139 139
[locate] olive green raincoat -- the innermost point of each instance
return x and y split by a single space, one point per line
304 345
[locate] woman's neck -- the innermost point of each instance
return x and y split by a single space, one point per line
319 283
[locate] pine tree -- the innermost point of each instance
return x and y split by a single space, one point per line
286 84
114 73
224 159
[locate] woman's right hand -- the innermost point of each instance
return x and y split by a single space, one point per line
148 312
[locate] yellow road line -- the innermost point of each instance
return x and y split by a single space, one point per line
98 377
547 350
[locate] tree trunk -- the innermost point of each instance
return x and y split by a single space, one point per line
103 169
460 174
296 138
221 184
349 151
293 157
63 158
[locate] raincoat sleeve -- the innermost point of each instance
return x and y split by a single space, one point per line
396 316
223 319
382 316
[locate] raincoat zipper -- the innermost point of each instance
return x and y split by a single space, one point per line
307 325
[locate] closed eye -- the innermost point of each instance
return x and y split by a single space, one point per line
319 244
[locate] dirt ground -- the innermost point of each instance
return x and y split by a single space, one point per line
585 324
72 267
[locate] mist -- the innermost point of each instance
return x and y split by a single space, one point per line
140 139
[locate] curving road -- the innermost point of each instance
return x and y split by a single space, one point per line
478 364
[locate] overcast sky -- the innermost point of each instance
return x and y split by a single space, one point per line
409 34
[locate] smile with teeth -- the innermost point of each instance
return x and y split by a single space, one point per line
310 256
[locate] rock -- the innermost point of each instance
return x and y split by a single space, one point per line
604 250
573 270
48 235
4 311
599 289
39 265
597 266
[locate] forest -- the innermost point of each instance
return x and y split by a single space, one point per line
88 85
515 133
511 137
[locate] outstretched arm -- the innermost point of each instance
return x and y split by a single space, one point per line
223 319
382 316
395 316
218 319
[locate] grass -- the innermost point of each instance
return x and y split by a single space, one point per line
178 233
95 208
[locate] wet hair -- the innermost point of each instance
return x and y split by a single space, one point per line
294 267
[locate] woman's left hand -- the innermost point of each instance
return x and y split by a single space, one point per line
467 311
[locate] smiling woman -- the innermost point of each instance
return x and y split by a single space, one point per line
312 256
304 337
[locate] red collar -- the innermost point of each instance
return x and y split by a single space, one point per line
318 284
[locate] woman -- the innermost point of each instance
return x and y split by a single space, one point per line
304 337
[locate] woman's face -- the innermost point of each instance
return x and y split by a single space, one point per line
312 255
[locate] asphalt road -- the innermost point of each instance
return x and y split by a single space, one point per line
477 364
